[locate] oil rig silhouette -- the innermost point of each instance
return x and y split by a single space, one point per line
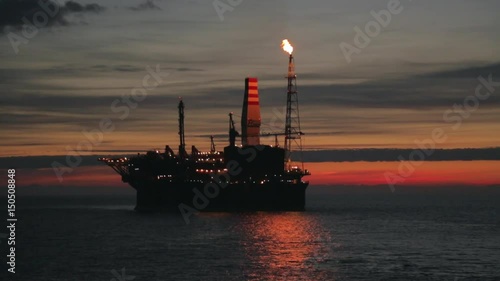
246 177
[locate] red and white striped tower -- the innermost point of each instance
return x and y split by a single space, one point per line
250 117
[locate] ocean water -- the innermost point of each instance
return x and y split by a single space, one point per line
347 233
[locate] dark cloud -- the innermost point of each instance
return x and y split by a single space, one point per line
392 154
126 68
147 5
341 155
468 72
39 162
72 103
12 12
74 7
10 75
437 91
434 90
188 69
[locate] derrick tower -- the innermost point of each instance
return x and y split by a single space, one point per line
293 133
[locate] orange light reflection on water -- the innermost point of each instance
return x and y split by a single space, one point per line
285 246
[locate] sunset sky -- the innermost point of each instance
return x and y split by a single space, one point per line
395 92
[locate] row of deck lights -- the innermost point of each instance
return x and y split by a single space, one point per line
234 182
210 171
118 160
209 160
208 153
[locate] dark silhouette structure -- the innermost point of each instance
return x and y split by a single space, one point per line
250 176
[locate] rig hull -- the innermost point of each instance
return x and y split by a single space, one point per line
271 196
246 177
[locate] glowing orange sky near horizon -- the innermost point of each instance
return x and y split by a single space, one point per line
427 173
326 173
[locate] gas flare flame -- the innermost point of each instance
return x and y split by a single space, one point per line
287 47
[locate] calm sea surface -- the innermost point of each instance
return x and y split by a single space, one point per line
347 233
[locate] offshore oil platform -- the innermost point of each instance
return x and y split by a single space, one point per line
246 177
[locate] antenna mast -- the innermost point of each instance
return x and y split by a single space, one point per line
182 140
232 131
212 144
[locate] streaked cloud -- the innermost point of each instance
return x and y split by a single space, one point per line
146 5
396 91
339 155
